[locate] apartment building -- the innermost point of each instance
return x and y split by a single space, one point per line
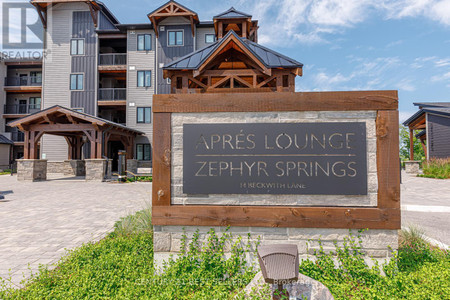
96 65
20 95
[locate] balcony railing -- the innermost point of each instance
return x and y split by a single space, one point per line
17 136
112 94
23 81
112 59
21 109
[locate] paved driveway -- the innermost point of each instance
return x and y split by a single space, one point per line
39 220
426 203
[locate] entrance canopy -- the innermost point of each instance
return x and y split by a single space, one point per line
77 128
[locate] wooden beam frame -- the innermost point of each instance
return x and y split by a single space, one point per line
387 214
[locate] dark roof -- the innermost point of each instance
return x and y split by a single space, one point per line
232 13
269 58
205 24
423 132
74 112
5 140
443 111
432 104
123 27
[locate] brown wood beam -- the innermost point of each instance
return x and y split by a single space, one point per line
251 102
296 217
411 144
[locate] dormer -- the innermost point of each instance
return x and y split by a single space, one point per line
172 9
241 23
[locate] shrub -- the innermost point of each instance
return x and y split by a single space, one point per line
420 273
436 168
139 179
137 223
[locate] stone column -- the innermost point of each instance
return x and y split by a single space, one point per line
132 165
412 166
31 169
97 168
74 167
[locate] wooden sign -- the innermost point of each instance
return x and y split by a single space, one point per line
272 158
385 215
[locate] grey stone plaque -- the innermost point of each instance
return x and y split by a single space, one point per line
275 158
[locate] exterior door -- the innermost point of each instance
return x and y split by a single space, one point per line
23 78
22 106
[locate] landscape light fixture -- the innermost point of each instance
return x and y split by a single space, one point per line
279 265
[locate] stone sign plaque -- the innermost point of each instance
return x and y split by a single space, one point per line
275 158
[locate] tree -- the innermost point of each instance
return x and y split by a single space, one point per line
419 154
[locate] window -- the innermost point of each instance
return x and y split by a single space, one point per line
144 114
36 77
77 47
175 38
168 80
76 81
144 78
144 152
144 42
210 38
35 103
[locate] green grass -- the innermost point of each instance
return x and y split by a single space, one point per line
436 168
139 179
6 172
121 267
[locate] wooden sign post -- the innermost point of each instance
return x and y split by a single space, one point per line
303 163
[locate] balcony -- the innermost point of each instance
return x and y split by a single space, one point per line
30 84
112 96
112 62
20 109
17 136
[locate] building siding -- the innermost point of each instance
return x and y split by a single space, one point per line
83 28
56 71
200 37
167 54
139 96
105 22
439 136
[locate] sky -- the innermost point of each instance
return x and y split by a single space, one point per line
345 45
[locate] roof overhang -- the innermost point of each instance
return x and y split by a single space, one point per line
43 5
65 116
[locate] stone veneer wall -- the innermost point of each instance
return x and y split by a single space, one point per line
179 119
375 242
167 239
56 167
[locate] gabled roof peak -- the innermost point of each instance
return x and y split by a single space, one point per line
232 13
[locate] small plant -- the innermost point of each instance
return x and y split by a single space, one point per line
140 222
139 179
6 172
436 168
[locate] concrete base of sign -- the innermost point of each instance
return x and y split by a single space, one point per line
31 169
412 166
304 288
74 167
167 240
98 169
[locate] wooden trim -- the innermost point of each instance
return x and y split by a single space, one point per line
162 160
297 217
260 102
388 159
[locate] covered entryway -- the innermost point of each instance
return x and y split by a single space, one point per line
87 138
